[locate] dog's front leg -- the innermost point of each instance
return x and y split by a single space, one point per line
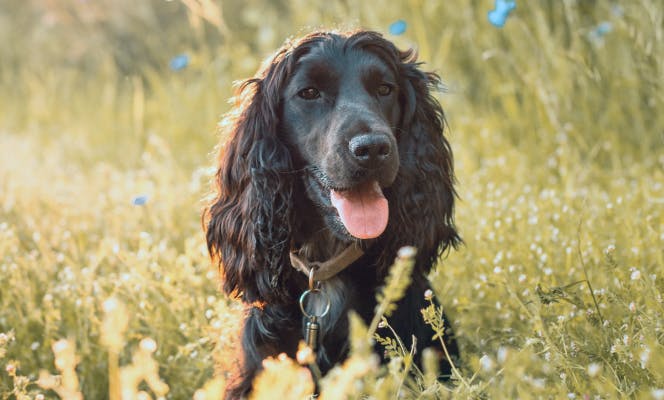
408 323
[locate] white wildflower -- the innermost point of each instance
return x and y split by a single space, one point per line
486 363
594 369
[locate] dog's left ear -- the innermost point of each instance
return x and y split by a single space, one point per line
424 190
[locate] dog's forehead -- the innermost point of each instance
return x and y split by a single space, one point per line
330 60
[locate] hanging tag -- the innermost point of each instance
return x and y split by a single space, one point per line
311 326
311 333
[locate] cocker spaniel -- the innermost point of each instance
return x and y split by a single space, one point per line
335 154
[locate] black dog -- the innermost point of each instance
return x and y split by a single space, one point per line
336 145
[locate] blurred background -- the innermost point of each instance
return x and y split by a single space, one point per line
114 72
108 114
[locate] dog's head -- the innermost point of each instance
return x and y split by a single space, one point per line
345 125
340 114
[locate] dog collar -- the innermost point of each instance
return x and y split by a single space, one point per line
328 269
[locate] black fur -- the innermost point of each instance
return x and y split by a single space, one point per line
287 149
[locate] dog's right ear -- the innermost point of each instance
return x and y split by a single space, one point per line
249 222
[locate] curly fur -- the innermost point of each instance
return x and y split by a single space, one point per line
266 205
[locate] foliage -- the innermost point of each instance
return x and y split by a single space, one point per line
107 120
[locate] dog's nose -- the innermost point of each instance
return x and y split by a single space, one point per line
370 149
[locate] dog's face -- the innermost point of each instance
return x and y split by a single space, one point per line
328 130
340 109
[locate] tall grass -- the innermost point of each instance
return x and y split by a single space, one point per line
557 128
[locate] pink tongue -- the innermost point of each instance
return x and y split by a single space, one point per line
363 210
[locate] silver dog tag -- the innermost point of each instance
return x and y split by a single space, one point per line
311 333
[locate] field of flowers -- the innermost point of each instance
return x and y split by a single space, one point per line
108 113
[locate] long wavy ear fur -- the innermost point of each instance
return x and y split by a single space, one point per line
248 224
422 197
424 192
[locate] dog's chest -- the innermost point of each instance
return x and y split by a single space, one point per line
335 296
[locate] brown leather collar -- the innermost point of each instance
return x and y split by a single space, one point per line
328 269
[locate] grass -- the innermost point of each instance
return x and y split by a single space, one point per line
558 135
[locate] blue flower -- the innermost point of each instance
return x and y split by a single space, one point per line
603 28
498 16
179 62
596 35
139 200
398 27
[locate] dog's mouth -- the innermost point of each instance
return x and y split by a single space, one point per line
362 208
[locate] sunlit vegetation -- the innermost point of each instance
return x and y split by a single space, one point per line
108 113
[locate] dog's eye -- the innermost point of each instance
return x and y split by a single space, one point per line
384 89
309 93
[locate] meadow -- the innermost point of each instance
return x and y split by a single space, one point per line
108 114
